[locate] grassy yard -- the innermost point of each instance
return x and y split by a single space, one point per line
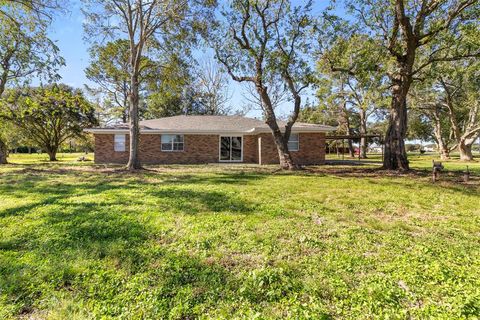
80 241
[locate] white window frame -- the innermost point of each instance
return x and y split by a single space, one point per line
172 142
123 144
294 141
220 148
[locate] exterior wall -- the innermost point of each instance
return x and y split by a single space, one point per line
104 152
205 149
267 149
311 149
197 149
250 149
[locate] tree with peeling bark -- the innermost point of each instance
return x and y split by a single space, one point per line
266 40
25 49
414 34
451 100
428 121
148 27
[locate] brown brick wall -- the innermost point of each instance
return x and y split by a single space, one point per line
204 149
197 149
104 152
268 150
250 149
311 149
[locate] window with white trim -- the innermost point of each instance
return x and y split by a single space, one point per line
172 142
293 142
119 143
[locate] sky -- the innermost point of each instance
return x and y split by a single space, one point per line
67 32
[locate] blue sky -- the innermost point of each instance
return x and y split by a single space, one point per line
67 31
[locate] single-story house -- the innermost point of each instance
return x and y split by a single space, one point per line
190 139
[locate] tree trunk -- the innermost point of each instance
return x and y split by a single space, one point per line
52 154
351 150
133 160
444 152
442 147
345 122
3 152
125 109
363 131
395 157
465 150
281 141
286 160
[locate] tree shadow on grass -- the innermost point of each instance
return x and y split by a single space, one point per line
168 177
73 239
450 180
194 202
37 261
216 178
107 263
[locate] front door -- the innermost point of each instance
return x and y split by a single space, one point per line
231 149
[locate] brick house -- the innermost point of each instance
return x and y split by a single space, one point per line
209 139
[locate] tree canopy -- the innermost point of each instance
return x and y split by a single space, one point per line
25 48
413 35
266 42
48 116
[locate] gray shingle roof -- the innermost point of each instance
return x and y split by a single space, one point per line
207 124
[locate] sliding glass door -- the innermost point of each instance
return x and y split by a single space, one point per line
231 149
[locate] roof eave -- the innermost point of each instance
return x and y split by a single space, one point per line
190 131
299 129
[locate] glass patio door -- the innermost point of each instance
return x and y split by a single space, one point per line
231 149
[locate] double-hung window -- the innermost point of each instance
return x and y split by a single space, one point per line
172 142
293 142
119 143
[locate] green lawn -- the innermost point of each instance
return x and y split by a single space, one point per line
80 241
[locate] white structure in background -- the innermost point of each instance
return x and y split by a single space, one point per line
430 148
375 148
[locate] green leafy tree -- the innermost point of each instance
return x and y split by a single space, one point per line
25 49
180 88
413 35
333 107
349 71
48 116
109 69
169 91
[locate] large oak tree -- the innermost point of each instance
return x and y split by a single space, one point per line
265 41
414 34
